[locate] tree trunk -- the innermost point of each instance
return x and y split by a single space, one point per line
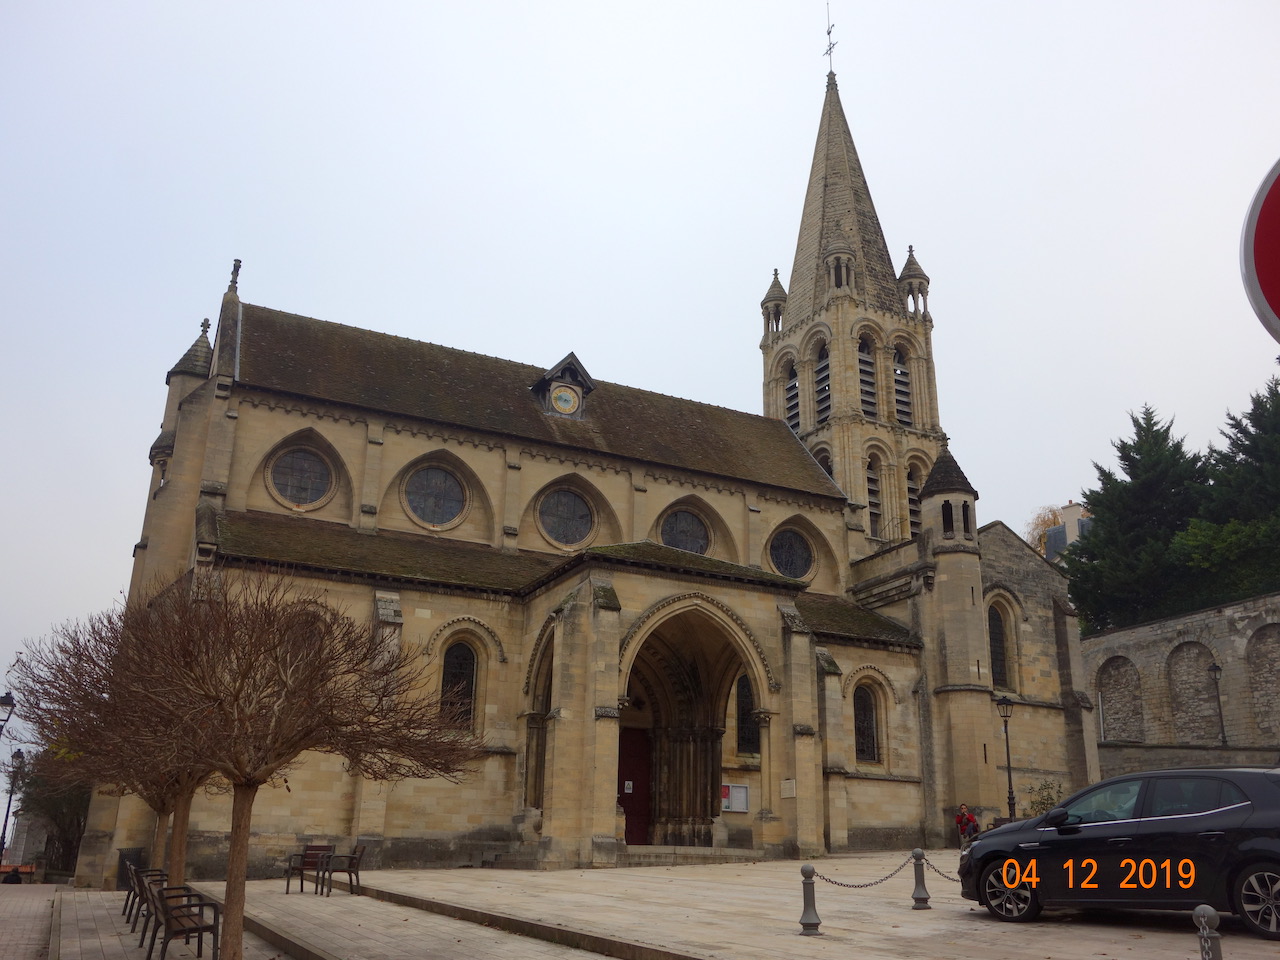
159 839
177 864
237 869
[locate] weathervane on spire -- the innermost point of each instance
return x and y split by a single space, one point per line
831 44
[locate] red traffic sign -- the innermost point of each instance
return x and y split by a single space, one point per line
1260 252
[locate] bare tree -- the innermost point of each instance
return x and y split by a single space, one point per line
1038 527
255 670
83 698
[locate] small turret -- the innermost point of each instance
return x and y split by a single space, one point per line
947 497
775 300
913 284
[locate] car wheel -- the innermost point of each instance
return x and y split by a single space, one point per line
1015 904
1257 899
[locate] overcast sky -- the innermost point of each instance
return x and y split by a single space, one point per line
620 180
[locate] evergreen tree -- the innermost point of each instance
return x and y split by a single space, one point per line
1231 549
1121 568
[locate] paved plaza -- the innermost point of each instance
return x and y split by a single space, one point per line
723 912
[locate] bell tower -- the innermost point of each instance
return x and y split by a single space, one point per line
848 351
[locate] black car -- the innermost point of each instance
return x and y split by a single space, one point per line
1162 840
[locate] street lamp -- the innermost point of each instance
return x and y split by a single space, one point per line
6 701
15 761
1215 674
1005 706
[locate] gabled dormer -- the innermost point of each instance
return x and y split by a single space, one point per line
562 390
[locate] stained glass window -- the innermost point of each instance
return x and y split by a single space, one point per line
301 476
565 516
791 554
434 495
866 738
458 685
685 531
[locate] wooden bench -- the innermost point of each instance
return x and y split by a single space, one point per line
182 912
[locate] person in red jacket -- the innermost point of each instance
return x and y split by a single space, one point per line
966 823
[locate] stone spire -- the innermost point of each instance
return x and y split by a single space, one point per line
195 362
839 215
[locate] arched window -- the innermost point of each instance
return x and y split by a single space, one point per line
997 647
948 520
901 388
867 377
966 516
913 499
793 399
822 385
866 728
458 684
824 461
874 509
748 725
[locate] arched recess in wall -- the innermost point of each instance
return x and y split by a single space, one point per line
568 514
301 473
1262 659
440 493
1192 694
677 526
789 544
1120 700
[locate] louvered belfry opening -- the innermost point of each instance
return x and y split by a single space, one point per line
901 388
867 378
793 399
822 385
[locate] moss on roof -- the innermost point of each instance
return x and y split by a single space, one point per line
837 617
376 371
650 554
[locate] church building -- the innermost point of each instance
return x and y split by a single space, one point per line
681 630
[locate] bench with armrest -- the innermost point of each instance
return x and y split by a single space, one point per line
348 863
310 860
186 913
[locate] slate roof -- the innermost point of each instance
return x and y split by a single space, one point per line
836 617
376 371
306 543
946 477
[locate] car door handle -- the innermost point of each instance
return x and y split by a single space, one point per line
1120 840
1212 835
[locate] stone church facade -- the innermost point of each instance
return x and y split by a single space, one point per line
677 627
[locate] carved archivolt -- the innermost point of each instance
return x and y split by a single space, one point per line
869 668
535 654
656 611
475 626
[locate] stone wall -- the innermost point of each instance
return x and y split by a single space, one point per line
1159 703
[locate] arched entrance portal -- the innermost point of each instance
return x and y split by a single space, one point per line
672 724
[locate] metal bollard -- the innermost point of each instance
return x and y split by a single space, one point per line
920 895
1207 920
809 919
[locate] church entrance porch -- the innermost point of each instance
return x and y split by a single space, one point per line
672 726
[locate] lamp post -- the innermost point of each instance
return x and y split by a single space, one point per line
1005 706
6 701
1215 674
15 761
